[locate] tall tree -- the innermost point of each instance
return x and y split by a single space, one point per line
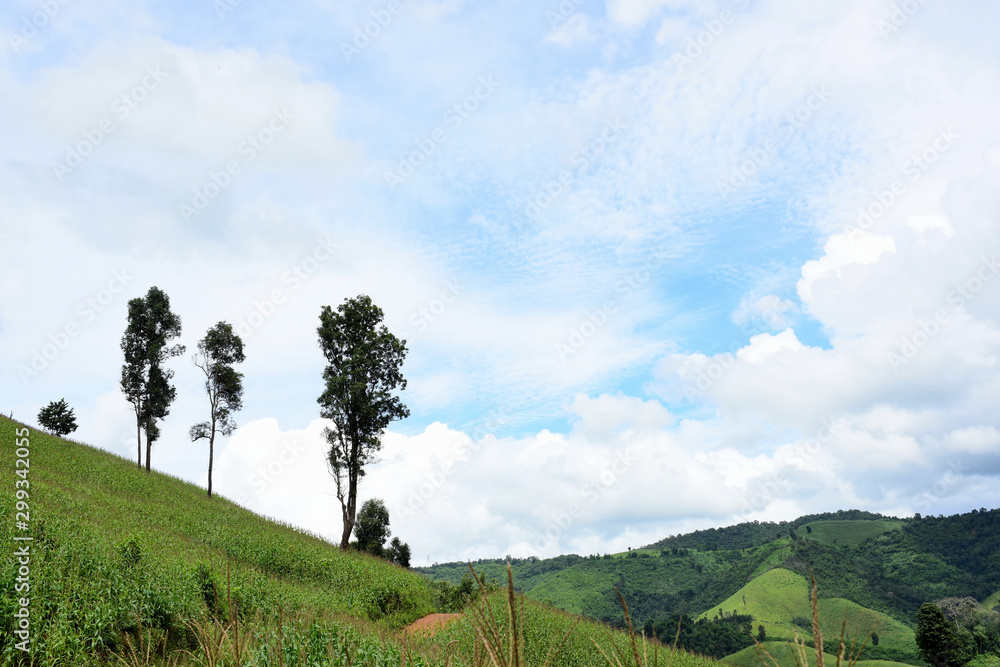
363 371
57 417
145 382
217 352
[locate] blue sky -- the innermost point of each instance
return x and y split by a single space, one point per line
622 240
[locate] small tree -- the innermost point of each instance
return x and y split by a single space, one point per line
217 352
372 530
399 553
761 634
57 418
372 527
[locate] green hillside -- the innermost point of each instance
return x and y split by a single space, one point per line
992 601
846 532
119 556
780 597
888 565
682 580
782 653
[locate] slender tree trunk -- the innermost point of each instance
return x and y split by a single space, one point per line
211 452
138 434
149 442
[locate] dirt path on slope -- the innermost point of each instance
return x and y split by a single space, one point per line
429 624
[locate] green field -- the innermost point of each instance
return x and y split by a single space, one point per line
782 653
778 597
992 601
846 532
123 556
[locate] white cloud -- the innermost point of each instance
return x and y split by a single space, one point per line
975 439
842 251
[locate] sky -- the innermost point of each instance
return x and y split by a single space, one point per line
660 265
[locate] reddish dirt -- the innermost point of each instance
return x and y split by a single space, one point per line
429 624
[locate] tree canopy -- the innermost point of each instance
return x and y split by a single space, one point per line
57 418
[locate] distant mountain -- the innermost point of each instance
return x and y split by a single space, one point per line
873 566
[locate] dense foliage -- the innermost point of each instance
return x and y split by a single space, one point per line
712 637
753 533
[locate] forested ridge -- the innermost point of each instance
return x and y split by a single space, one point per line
911 562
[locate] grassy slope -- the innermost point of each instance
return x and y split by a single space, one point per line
846 532
85 489
86 503
775 598
782 652
992 601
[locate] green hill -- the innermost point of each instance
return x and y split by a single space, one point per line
846 532
992 601
121 557
872 567
779 600
782 653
